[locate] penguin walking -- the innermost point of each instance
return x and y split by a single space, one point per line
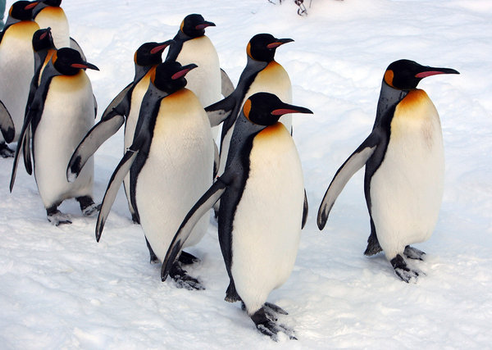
207 81
404 176
124 108
16 65
170 163
262 210
261 74
60 115
48 13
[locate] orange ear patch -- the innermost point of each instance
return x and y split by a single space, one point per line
388 77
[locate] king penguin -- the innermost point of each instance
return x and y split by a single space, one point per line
48 13
124 108
16 65
60 115
261 74
193 46
404 175
170 163
262 211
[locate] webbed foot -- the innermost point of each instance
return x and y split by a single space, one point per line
183 280
57 218
402 270
413 253
5 151
188 259
87 206
268 326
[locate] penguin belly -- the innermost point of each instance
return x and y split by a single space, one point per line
273 79
406 190
55 18
177 171
205 81
267 220
16 70
68 115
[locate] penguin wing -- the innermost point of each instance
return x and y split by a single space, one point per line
356 161
6 124
219 111
26 151
204 204
305 210
113 186
92 141
120 103
227 87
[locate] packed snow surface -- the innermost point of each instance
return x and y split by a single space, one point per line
61 289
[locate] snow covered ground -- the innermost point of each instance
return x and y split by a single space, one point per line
61 289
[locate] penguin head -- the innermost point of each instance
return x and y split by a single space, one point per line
54 3
150 54
406 74
266 109
262 47
194 25
42 39
170 76
42 4
22 10
68 61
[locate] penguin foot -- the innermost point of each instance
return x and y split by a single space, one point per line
5 151
188 259
57 218
183 280
273 309
402 270
87 205
270 327
413 253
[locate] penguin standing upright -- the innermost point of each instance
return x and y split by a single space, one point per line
261 74
261 214
404 175
16 65
193 46
125 104
60 115
170 163
48 13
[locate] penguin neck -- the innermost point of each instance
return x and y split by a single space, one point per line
388 97
141 71
41 6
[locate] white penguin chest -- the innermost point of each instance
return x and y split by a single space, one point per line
55 18
205 80
177 171
406 190
267 221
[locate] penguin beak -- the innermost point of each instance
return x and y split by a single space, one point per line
31 5
184 70
161 47
84 65
279 42
429 71
286 109
204 25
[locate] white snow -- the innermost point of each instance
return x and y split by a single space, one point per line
59 289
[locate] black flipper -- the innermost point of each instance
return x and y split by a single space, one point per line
91 142
305 210
115 103
6 124
26 151
114 184
356 161
219 111
227 87
204 204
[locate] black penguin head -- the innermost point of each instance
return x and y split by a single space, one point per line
42 40
68 61
266 109
22 10
54 3
194 25
406 74
170 76
150 54
262 47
